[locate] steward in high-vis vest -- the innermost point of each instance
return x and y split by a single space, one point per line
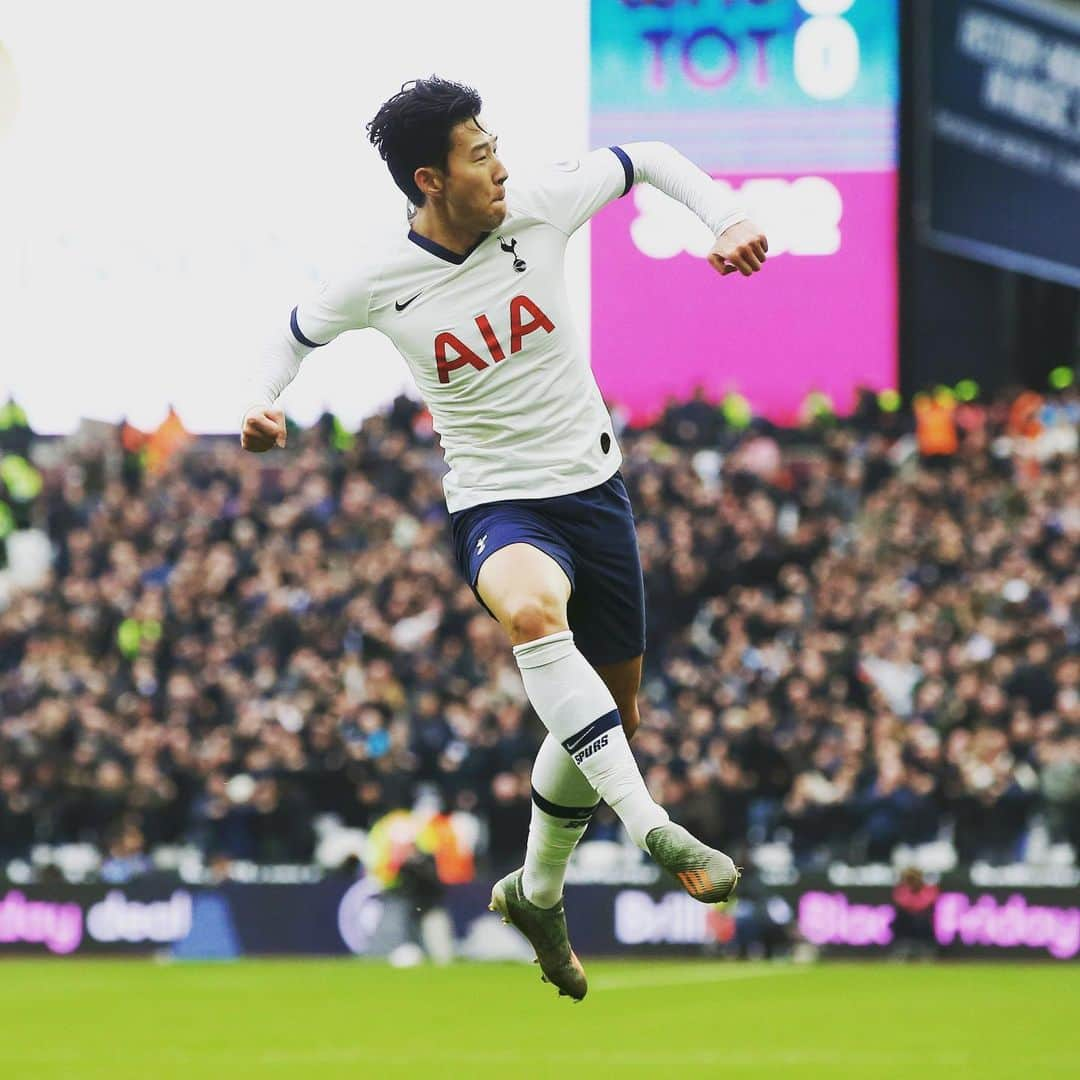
935 425
15 433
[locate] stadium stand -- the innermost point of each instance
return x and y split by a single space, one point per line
855 645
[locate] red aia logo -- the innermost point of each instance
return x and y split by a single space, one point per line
447 344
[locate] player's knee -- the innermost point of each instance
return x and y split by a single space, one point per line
535 616
631 719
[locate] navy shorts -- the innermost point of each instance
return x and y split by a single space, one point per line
591 535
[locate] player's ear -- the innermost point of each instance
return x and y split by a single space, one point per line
429 180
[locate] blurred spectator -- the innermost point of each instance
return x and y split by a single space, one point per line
914 924
127 857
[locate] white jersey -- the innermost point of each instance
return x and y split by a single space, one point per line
488 335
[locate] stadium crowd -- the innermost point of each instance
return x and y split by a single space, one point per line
858 639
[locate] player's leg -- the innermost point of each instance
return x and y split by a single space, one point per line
607 612
518 585
563 800
623 679
527 590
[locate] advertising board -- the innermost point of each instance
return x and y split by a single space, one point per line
339 916
791 106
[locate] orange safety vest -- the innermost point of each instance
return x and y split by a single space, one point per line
1024 415
935 427
453 863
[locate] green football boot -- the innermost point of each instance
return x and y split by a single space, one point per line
706 874
545 929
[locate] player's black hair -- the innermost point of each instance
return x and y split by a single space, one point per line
412 129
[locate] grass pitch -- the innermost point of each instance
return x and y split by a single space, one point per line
329 1019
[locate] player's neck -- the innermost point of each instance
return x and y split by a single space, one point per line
434 224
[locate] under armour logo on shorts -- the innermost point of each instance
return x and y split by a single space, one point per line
480 544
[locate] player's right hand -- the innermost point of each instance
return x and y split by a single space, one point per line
263 429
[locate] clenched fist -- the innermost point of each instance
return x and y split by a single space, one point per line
263 429
742 248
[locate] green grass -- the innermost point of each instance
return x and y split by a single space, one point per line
83 1019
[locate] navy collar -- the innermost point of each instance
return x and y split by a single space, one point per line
444 252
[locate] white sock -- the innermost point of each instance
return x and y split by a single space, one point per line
578 709
562 804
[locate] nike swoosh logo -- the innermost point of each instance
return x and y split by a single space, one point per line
401 306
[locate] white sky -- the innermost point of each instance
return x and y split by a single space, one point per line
173 175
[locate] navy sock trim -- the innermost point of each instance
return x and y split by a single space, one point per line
555 810
627 165
591 731
299 334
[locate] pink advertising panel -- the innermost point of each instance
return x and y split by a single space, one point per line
791 105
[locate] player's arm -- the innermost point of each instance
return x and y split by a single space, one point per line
740 245
338 306
569 193
262 426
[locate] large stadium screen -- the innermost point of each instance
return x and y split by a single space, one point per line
791 105
1002 130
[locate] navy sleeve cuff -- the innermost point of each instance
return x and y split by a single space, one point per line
299 334
627 165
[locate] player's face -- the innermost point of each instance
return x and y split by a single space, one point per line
475 177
